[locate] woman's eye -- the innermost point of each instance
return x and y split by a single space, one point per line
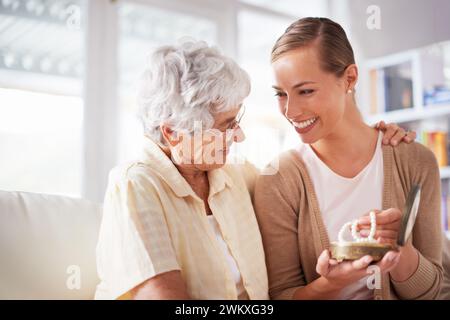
306 91
279 94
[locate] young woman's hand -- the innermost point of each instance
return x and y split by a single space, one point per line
341 274
393 134
388 225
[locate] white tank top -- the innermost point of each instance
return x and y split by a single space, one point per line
242 294
345 199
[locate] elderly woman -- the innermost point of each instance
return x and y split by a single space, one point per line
179 223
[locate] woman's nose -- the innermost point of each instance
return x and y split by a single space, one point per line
238 135
292 110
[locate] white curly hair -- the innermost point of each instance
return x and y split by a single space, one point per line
186 83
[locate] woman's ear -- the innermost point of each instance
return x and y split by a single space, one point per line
351 77
170 137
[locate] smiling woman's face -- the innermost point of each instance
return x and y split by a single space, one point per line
311 99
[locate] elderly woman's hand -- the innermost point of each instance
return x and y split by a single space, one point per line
393 134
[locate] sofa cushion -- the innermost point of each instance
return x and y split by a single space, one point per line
47 246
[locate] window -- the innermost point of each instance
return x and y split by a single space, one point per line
267 132
294 8
69 71
41 105
142 28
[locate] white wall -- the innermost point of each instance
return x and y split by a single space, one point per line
405 24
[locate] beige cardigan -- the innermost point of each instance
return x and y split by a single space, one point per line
294 233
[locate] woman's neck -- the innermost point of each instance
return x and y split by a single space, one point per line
192 175
351 145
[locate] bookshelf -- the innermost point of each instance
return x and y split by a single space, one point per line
404 117
412 89
411 115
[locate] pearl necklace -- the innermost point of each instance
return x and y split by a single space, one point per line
355 234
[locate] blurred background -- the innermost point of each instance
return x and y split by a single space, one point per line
69 69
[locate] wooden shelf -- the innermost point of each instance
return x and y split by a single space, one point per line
410 115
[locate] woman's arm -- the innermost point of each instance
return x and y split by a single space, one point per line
277 218
134 240
419 272
278 221
425 281
165 286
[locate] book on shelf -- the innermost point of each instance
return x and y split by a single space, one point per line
436 141
398 87
438 95
445 207
377 104
391 88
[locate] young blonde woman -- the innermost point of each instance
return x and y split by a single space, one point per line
340 172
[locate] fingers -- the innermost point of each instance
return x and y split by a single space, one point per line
389 261
388 226
381 126
374 210
410 136
364 221
389 216
333 262
322 266
385 234
362 263
398 136
393 134
384 217
391 130
403 135
391 241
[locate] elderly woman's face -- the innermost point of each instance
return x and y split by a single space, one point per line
208 149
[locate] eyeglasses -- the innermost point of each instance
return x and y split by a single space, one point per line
235 123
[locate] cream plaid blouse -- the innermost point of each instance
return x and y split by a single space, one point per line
153 222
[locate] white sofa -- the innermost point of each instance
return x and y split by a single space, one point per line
47 247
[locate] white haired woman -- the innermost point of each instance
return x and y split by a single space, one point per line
179 223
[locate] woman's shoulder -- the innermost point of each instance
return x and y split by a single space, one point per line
283 173
136 172
243 170
414 154
286 164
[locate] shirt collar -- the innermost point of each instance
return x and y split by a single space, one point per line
155 157
218 180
